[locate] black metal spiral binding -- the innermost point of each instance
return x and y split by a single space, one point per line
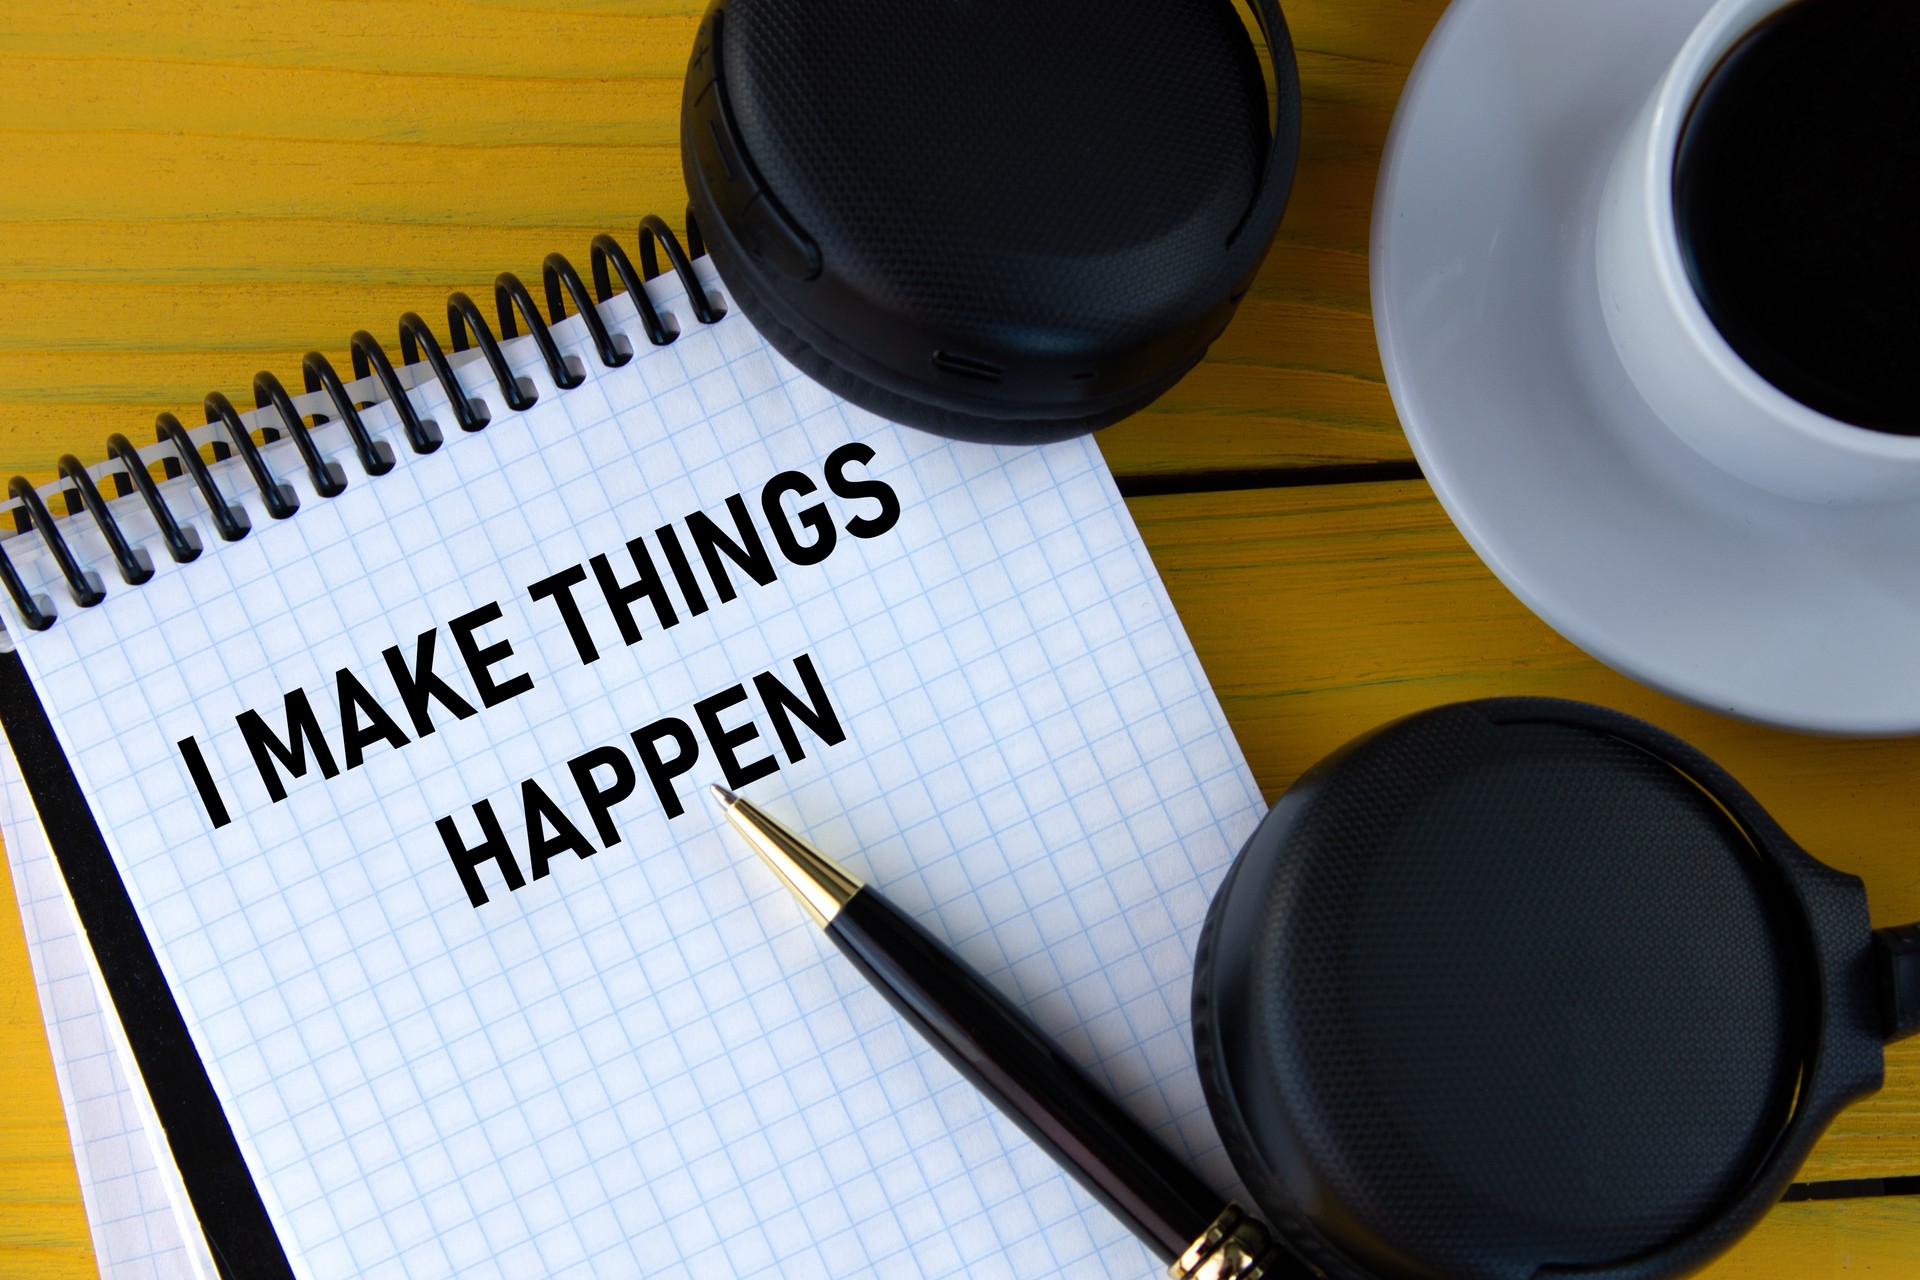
417 342
376 457
556 271
86 588
654 227
369 357
37 616
182 544
607 250
464 317
135 567
509 296
280 500
329 480
230 521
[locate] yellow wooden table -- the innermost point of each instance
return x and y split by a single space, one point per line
193 190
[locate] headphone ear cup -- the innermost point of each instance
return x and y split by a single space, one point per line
850 386
1520 988
933 215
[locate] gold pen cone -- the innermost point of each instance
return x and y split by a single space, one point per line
822 886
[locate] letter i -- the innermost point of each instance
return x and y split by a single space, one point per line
209 793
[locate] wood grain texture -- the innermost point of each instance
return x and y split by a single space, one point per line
196 189
1320 613
1854 1239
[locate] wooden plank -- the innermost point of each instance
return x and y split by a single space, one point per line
583 40
501 105
1320 613
357 146
1864 1239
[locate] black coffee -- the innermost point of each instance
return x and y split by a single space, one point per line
1797 193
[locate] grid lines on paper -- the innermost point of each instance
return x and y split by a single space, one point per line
647 1060
135 1233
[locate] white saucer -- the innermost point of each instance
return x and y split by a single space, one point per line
1619 536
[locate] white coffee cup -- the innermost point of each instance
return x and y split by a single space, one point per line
1687 372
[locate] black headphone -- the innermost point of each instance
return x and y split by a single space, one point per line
997 220
1523 989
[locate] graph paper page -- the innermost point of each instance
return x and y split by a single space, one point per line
125 1177
644 1059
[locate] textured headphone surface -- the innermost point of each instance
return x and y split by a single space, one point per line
1503 996
1007 219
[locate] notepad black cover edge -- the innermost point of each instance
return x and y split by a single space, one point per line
232 1215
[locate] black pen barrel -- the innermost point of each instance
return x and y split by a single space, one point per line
1006 1057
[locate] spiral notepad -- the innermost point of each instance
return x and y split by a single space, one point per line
125 1177
369 735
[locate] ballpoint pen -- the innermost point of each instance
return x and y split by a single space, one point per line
1006 1057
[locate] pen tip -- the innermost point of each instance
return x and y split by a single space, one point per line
720 793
